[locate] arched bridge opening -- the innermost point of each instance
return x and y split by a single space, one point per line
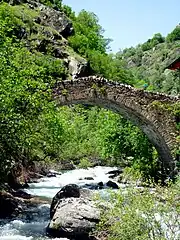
141 107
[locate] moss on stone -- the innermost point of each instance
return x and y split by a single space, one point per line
103 91
26 14
174 108
64 92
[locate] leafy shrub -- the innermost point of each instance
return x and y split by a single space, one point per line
84 163
52 3
142 215
174 35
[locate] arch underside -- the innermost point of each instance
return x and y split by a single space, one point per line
144 124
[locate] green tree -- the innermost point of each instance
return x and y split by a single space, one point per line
88 34
26 81
52 3
157 38
174 35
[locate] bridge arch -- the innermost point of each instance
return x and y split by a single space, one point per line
141 107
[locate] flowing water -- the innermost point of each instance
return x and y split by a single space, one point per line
32 225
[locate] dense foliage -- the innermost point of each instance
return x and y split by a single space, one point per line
25 91
52 3
89 42
174 35
32 127
142 215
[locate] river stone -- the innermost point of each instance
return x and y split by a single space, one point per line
68 191
49 175
112 184
115 173
88 178
74 218
9 205
86 193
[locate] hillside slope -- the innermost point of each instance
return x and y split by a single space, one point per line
148 62
45 30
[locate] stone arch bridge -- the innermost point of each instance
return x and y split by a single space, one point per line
149 111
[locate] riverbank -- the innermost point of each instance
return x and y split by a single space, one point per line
31 221
28 222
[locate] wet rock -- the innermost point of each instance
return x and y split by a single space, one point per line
100 185
94 186
112 184
88 178
22 194
115 173
55 172
73 213
68 191
34 180
9 205
51 175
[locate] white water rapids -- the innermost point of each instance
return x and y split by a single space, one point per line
31 226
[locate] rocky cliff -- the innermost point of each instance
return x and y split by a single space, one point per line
46 30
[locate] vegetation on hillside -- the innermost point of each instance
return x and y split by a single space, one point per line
26 80
32 127
148 62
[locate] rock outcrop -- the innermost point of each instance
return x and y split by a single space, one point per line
73 213
46 30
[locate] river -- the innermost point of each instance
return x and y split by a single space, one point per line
32 225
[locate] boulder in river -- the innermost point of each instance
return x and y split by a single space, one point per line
100 185
88 178
50 175
73 213
22 194
112 184
115 173
9 205
68 191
